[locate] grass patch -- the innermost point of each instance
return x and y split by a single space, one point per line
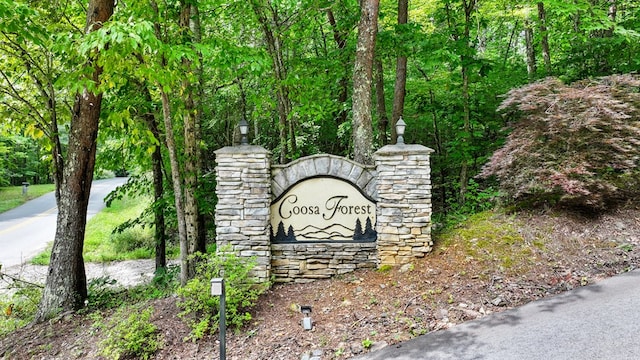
18 309
492 238
102 245
11 196
43 257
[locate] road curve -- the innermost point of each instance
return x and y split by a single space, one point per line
26 230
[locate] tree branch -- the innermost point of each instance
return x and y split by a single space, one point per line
14 94
16 279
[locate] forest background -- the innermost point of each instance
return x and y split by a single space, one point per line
174 78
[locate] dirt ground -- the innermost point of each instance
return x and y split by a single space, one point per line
501 262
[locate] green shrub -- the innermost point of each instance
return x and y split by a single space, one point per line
23 303
102 293
576 145
200 309
130 334
133 238
99 174
163 284
478 198
105 293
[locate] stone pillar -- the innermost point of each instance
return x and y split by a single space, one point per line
244 194
404 203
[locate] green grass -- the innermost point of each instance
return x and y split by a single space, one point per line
491 237
11 196
23 303
135 243
101 245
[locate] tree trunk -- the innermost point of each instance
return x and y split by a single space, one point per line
532 67
158 211
48 91
176 180
191 150
343 93
158 192
577 21
158 176
274 48
439 151
439 147
362 79
464 169
196 28
177 188
467 137
510 44
612 13
383 120
401 75
66 284
58 162
544 42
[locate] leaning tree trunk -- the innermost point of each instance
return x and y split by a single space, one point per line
66 284
383 120
362 127
274 48
177 188
401 75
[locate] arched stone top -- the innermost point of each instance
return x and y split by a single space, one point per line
285 176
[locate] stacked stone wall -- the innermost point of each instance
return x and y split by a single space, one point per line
243 187
311 261
399 182
404 203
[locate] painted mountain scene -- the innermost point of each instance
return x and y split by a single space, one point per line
323 209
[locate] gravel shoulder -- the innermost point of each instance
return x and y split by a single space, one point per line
126 273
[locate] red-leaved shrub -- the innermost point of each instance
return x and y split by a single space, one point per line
577 144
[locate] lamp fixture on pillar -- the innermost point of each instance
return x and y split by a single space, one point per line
400 126
244 130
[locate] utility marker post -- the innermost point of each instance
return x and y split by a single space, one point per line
217 289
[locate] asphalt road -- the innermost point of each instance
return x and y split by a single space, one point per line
26 230
599 321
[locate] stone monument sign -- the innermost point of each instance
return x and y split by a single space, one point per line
323 215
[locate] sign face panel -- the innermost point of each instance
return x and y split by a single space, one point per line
323 209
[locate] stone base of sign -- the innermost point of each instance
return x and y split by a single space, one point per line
247 184
312 261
